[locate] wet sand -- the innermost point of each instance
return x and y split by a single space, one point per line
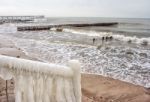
95 88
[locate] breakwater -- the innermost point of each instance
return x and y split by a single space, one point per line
48 27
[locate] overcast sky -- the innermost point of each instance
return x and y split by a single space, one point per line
77 8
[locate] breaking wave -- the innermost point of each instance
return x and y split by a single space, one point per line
131 39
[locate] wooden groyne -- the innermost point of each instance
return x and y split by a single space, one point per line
92 24
48 27
33 28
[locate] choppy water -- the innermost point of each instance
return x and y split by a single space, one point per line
117 58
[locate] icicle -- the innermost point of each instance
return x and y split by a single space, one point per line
68 94
18 96
60 90
72 91
30 89
46 95
48 90
18 90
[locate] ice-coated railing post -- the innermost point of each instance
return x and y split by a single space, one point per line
42 82
75 65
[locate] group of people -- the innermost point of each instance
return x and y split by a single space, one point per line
104 39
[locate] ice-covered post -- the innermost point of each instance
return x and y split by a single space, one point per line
75 65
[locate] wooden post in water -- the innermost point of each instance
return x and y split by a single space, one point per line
7 91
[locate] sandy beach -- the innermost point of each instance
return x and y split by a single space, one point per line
95 88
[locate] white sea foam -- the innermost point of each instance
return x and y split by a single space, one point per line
8 28
88 33
124 61
119 62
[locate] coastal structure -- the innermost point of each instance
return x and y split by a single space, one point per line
48 27
19 18
42 82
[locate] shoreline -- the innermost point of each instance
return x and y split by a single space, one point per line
95 88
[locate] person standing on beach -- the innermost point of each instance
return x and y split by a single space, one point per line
111 38
103 38
94 40
107 38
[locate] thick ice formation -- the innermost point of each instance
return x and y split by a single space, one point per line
42 82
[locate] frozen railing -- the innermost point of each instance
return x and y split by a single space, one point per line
42 82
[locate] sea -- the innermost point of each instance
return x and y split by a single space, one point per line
126 56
